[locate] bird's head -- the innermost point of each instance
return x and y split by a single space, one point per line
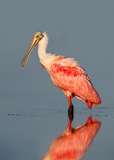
35 40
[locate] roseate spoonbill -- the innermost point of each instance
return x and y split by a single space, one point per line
65 73
73 143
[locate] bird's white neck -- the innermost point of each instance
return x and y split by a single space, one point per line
42 46
45 58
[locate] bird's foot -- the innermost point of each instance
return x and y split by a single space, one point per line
71 112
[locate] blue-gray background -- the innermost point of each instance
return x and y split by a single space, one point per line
32 110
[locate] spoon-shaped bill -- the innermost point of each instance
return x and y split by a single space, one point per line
25 59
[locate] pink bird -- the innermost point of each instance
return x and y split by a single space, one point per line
73 143
65 73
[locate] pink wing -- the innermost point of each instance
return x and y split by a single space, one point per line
74 79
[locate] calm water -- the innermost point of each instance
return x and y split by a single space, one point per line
33 112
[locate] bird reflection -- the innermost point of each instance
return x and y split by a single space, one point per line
74 142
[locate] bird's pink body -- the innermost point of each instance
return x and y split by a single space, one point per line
74 82
73 144
72 79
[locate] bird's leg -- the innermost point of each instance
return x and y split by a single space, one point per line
71 112
69 127
71 108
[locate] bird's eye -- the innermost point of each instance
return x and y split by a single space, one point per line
37 36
